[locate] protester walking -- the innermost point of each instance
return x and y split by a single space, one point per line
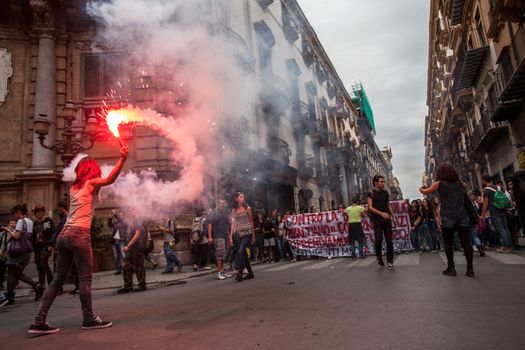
242 227
169 230
454 216
74 243
381 216
18 256
134 257
199 241
120 227
355 231
414 212
218 230
494 203
429 224
43 229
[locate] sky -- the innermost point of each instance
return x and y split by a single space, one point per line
384 45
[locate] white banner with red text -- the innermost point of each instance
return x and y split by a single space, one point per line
327 233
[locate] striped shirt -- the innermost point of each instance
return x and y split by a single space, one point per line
243 226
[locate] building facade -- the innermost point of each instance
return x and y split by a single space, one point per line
316 147
476 89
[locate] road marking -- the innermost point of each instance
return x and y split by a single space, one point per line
362 262
407 260
506 258
288 266
321 265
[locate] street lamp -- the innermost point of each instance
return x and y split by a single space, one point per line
70 146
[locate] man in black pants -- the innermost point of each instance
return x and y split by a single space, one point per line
381 216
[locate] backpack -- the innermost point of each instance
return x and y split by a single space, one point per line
500 199
197 229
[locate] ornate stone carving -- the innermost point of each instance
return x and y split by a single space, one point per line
42 14
6 71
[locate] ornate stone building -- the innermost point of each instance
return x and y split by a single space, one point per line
476 88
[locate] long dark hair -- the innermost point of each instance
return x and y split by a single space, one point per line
85 170
446 172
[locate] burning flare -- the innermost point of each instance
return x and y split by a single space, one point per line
114 118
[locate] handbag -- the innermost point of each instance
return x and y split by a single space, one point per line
22 245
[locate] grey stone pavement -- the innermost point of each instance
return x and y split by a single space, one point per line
313 304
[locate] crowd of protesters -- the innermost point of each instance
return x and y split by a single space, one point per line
232 237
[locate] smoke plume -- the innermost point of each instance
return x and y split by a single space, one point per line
200 87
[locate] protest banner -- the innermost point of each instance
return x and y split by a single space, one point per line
326 233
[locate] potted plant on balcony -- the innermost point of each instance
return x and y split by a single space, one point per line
100 243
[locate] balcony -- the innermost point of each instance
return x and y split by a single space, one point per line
274 95
303 117
280 150
502 11
470 59
305 166
510 74
330 89
319 131
236 43
487 133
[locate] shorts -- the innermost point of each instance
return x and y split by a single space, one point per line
269 242
220 248
458 222
356 231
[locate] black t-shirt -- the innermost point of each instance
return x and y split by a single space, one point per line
140 243
43 232
428 214
268 229
381 202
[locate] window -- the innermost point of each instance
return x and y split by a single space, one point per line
100 74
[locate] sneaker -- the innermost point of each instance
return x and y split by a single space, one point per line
470 273
238 278
380 262
167 271
96 323
39 291
44 328
124 290
390 266
227 275
5 302
433 251
220 276
249 276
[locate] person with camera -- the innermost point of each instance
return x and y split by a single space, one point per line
18 256
169 230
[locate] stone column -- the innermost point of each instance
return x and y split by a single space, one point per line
45 99
344 184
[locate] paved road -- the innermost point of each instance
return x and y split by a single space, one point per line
330 304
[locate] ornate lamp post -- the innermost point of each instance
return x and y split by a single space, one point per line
70 146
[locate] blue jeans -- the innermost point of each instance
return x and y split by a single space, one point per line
280 247
118 254
171 258
430 229
501 226
414 238
474 238
241 259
